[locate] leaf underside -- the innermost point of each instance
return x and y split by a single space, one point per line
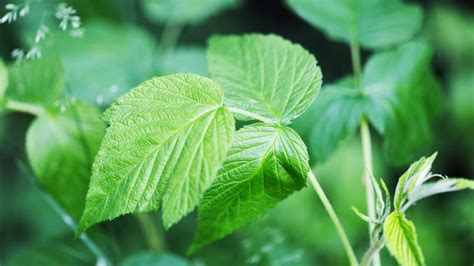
264 74
372 23
265 164
166 139
400 235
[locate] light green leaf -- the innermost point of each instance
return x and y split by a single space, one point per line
265 164
417 174
372 23
3 78
400 235
61 145
107 61
166 140
38 81
152 259
441 186
264 74
184 11
184 59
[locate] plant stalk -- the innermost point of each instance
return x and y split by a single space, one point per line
22 107
373 250
335 220
169 36
250 114
366 147
150 232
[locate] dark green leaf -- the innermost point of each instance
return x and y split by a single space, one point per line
184 11
152 259
61 145
166 139
264 74
372 23
265 164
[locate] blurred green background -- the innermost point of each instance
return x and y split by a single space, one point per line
126 42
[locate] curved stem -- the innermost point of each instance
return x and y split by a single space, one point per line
332 214
250 114
22 107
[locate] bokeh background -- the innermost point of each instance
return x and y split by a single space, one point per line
125 42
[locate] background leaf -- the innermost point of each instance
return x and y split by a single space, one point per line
400 235
152 259
265 164
184 59
166 139
184 11
264 74
3 78
93 69
38 81
372 23
61 145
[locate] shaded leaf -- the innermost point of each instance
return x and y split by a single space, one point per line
3 78
107 61
372 23
265 164
152 259
401 239
184 11
61 145
184 59
264 74
39 81
166 139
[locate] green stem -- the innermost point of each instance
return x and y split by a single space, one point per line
150 232
169 36
28 108
373 250
335 220
366 147
250 114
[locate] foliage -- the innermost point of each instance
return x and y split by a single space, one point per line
362 21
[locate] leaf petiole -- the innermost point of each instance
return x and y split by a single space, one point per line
250 114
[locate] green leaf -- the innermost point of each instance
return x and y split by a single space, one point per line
441 186
38 81
109 59
166 140
400 235
417 174
372 23
184 11
3 78
61 145
184 59
265 164
264 74
152 259
334 118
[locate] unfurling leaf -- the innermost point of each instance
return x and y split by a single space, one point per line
166 140
265 164
441 186
400 235
372 23
264 74
61 144
417 174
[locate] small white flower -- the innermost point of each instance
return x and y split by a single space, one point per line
25 10
18 54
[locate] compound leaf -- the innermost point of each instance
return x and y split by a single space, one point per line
166 139
400 235
264 74
38 81
265 164
372 23
61 145
184 11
